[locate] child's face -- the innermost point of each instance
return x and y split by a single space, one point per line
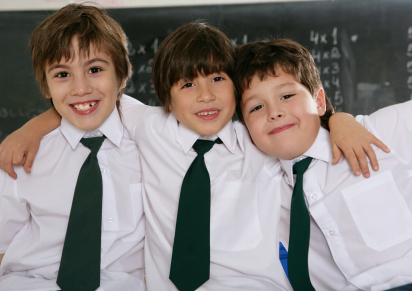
281 115
205 104
84 89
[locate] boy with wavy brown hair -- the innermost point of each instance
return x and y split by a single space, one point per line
358 231
76 222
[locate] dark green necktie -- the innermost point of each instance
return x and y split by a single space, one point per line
190 265
80 262
299 233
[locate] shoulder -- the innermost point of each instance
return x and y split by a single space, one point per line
255 161
135 112
395 117
391 124
52 142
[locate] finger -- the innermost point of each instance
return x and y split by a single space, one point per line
353 161
374 140
29 162
8 165
367 148
18 157
1 157
336 154
363 161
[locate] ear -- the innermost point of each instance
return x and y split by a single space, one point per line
123 84
320 101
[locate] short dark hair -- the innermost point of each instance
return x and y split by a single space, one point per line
261 58
194 48
51 40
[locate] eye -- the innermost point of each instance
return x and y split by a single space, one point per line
256 108
95 70
287 96
217 79
187 85
62 75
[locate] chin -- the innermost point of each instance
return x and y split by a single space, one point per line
209 132
284 153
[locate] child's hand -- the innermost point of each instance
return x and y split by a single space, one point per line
19 148
351 138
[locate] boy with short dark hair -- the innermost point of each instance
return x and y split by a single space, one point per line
76 222
358 231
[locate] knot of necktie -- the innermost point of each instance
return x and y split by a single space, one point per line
301 166
203 146
93 143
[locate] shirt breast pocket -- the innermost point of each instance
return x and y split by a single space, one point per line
380 211
137 227
234 217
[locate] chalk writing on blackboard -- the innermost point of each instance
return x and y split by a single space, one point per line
130 88
19 112
409 66
410 82
326 53
146 68
409 51
155 45
141 50
130 49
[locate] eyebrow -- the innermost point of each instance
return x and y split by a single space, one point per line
57 66
285 85
254 96
88 63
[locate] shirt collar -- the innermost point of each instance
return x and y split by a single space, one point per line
186 137
112 128
320 150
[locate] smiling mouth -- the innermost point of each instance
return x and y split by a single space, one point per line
207 113
281 128
84 106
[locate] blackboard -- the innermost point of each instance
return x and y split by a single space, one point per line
363 49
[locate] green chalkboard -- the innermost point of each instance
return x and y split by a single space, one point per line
363 49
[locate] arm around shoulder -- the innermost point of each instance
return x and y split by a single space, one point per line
132 112
354 141
20 147
392 124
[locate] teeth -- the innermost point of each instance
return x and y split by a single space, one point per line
84 107
207 113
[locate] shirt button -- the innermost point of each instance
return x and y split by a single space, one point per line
331 233
101 250
110 219
314 196
103 170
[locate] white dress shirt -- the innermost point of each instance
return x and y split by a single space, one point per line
35 210
244 215
361 229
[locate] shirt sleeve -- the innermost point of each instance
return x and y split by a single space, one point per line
14 214
132 112
393 126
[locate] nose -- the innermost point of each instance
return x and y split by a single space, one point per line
206 94
81 86
275 113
